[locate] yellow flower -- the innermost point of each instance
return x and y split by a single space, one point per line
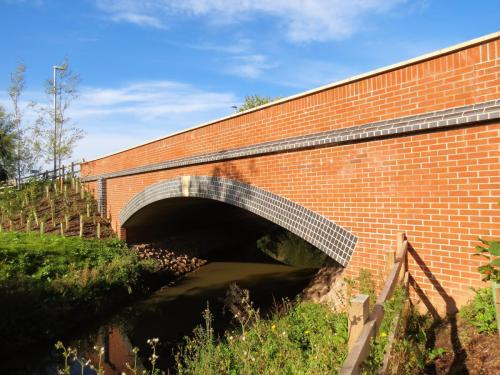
273 327
306 332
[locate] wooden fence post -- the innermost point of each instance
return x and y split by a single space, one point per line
358 315
390 259
401 237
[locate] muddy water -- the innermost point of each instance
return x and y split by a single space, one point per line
172 312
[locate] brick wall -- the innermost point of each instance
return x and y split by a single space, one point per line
441 187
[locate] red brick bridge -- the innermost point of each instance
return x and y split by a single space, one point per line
413 147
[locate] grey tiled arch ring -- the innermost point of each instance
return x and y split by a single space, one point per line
316 229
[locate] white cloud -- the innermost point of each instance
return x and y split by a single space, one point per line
250 66
301 20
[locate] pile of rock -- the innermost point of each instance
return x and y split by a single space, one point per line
328 286
168 260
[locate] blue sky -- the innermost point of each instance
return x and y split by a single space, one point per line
151 68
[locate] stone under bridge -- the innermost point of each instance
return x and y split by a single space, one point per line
413 147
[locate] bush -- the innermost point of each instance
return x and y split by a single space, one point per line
480 312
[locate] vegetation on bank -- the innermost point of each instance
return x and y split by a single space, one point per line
61 207
49 283
301 338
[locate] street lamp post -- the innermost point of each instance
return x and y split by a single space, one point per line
55 68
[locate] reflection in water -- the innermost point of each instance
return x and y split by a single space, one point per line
172 312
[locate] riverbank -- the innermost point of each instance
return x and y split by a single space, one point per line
50 284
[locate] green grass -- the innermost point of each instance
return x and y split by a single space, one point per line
307 338
50 283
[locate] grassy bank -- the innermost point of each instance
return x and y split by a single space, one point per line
50 283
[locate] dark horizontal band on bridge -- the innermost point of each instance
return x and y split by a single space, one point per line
458 116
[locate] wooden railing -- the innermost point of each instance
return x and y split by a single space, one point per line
364 325
69 170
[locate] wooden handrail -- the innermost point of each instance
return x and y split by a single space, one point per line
70 168
361 348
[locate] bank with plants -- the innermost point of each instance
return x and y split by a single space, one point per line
49 283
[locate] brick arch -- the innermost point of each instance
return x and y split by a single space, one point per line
316 229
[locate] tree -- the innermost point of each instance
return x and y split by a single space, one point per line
56 135
24 153
7 147
252 101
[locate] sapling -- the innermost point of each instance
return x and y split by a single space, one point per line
62 228
35 215
42 227
98 229
28 225
81 225
52 212
47 191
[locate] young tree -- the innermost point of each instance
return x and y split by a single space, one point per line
7 147
56 136
24 153
252 101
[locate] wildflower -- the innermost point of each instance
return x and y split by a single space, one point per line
135 350
306 332
243 338
383 334
273 327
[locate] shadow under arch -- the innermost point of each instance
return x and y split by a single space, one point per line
314 228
